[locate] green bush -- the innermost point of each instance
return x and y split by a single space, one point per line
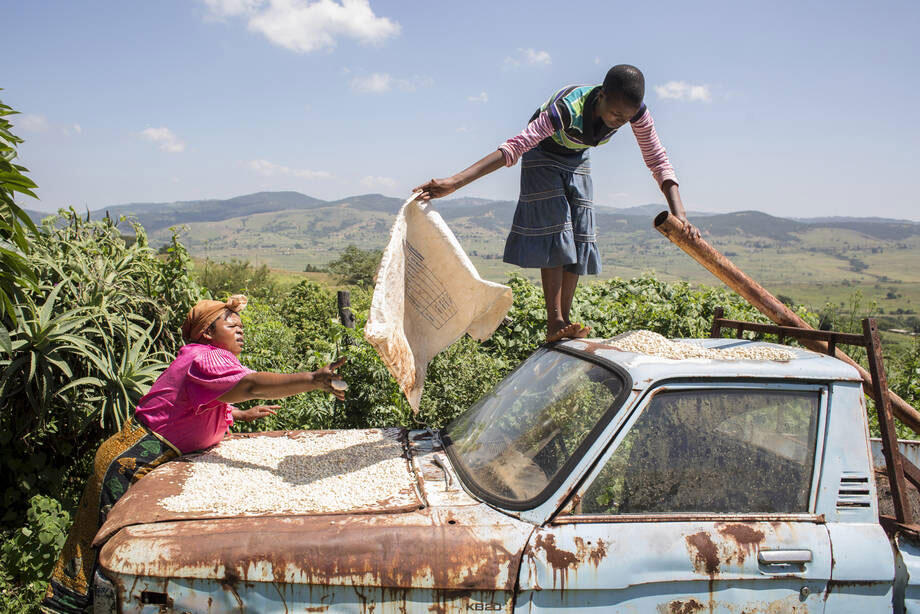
15 226
356 266
86 343
272 345
236 277
29 552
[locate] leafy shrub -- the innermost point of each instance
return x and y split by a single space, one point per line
15 225
87 342
30 551
272 345
356 266
28 554
236 277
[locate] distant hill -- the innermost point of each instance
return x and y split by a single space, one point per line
489 216
751 223
848 219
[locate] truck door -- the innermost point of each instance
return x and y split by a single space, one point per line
704 502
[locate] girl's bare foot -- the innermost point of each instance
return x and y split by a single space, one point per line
569 331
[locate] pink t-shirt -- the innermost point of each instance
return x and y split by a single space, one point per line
182 404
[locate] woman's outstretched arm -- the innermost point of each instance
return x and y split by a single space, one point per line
265 385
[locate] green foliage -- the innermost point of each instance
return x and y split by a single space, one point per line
18 597
356 266
28 554
15 225
905 376
308 310
457 378
30 551
102 320
88 341
272 345
236 277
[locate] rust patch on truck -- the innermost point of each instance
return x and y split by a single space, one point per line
746 538
704 554
562 560
689 606
417 550
737 542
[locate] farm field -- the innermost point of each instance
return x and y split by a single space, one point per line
832 263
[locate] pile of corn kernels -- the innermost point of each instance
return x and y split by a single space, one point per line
647 342
305 473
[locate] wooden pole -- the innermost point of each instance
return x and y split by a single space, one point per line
346 317
720 266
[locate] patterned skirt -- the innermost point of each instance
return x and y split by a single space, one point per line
554 219
121 460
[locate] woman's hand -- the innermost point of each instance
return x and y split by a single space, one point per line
323 378
255 413
437 188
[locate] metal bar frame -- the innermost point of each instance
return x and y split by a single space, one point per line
896 466
674 229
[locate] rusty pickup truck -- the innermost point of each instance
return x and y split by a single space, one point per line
591 478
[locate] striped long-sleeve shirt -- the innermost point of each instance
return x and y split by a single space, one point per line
564 129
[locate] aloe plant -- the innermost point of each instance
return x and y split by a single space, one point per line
15 225
38 350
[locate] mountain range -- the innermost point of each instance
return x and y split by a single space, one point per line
490 214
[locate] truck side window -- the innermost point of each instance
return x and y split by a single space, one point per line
716 451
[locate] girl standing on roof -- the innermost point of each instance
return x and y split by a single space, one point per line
553 227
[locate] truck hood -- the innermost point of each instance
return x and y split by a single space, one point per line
280 473
427 531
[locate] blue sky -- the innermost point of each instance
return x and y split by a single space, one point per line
797 109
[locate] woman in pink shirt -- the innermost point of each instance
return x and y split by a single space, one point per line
187 409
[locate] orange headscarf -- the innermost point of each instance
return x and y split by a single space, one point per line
205 312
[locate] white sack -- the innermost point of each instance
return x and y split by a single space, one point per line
428 294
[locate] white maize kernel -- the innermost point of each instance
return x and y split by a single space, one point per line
304 473
653 344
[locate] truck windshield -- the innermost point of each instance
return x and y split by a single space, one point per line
523 436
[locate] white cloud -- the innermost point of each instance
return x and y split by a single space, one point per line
232 8
374 182
165 138
31 123
530 56
482 97
536 57
71 130
681 90
304 26
379 82
270 169
375 83
39 123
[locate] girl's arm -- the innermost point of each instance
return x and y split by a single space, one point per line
506 155
676 205
656 159
438 188
264 385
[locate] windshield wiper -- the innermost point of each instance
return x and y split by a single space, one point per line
438 462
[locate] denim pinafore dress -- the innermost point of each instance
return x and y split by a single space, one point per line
554 219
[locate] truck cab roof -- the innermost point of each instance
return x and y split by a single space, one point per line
645 369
